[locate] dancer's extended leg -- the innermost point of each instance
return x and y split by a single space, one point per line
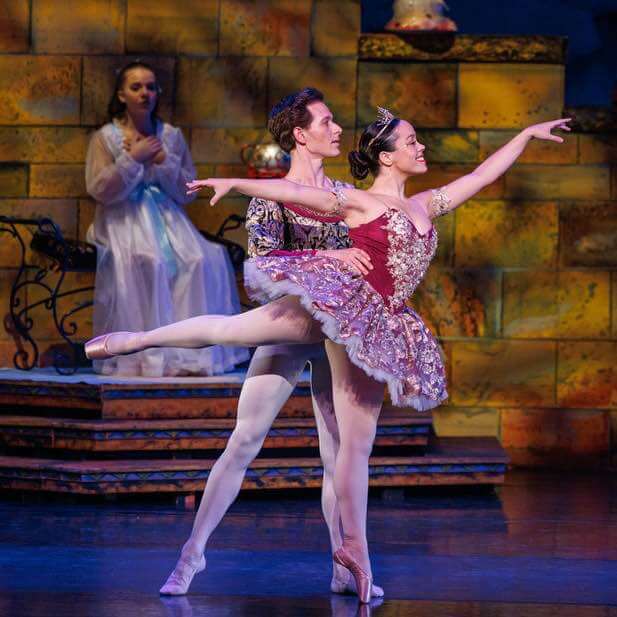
279 322
357 400
327 429
272 375
270 380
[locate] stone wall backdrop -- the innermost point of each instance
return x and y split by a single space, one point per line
523 293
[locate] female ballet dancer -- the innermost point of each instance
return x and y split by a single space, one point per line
302 124
373 337
153 265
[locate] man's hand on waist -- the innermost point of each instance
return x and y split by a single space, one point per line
357 259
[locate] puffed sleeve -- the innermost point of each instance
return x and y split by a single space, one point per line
177 169
107 180
265 226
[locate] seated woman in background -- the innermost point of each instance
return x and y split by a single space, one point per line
154 267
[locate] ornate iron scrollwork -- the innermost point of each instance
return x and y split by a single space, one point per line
63 256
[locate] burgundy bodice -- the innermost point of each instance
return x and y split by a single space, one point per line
372 237
399 253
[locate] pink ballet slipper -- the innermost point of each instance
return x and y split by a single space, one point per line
348 587
180 579
364 584
96 348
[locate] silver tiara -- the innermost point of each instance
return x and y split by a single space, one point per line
384 117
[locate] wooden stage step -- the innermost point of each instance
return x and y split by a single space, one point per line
451 461
93 435
179 399
397 427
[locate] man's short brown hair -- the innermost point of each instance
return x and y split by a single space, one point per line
291 111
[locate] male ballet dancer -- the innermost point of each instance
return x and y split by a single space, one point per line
302 125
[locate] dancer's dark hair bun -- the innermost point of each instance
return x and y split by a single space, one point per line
374 139
359 163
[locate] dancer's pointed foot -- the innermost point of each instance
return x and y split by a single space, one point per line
345 584
180 579
363 581
112 344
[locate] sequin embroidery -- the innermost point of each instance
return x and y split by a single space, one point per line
409 256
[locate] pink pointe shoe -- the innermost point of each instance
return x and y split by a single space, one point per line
364 584
348 586
96 348
180 579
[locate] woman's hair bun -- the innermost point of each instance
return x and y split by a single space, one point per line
359 163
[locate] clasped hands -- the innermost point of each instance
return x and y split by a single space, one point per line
145 149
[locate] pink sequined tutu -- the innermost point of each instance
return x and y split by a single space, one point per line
383 336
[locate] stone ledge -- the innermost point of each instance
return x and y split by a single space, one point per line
440 46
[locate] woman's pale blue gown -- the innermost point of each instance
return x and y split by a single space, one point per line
154 267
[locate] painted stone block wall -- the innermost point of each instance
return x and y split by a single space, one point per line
523 292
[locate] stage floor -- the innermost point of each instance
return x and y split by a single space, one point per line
534 546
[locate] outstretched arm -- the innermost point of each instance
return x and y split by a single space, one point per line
274 190
493 167
322 200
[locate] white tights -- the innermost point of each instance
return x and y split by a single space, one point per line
283 321
272 375
357 403
358 399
